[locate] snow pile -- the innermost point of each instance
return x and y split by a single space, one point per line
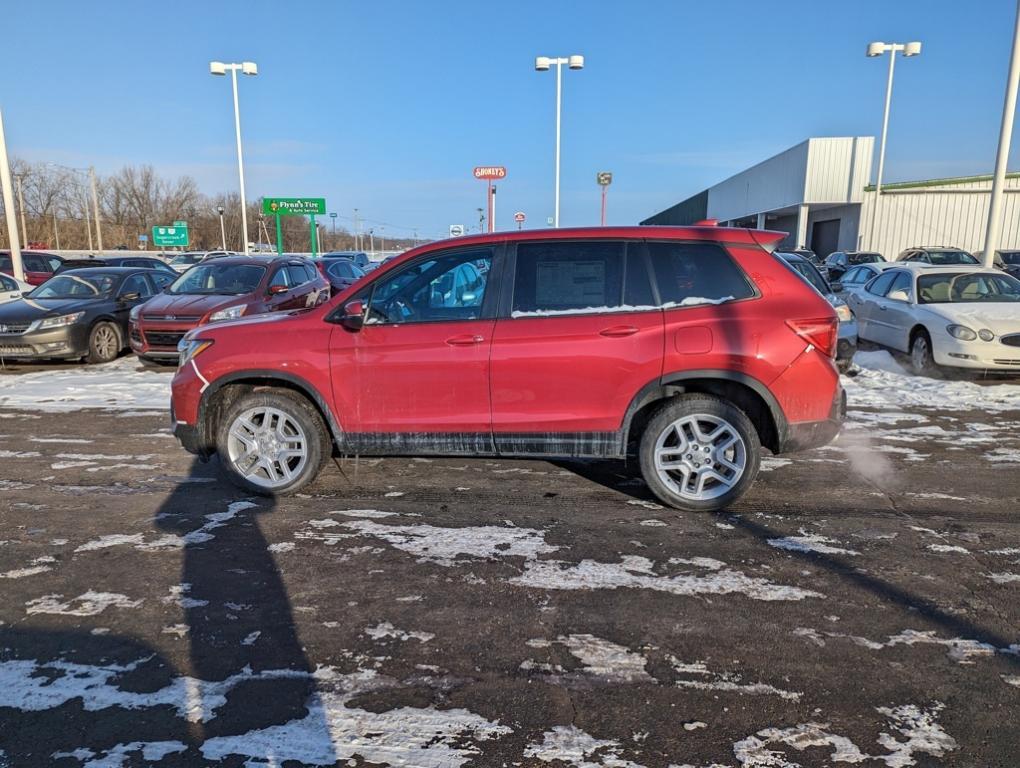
570 746
883 383
810 542
120 385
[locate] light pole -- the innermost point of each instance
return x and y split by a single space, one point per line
879 49
357 231
7 190
248 68
21 208
1005 137
542 64
223 230
481 219
95 208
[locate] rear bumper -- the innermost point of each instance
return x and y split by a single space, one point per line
804 435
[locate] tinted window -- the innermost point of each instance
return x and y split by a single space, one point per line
950 257
446 287
696 273
342 269
34 263
297 274
219 278
136 284
73 285
854 276
8 284
880 285
810 274
866 258
280 278
1011 257
637 284
162 280
568 277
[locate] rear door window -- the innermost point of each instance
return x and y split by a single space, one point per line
568 278
637 283
688 274
296 274
902 282
880 286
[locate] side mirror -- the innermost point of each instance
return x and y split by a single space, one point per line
277 289
129 297
898 295
836 287
353 318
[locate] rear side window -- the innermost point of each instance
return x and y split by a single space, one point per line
296 274
696 273
568 277
880 286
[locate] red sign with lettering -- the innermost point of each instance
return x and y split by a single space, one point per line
490 172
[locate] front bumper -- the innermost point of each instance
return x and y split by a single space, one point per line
804 435
975 355
66 341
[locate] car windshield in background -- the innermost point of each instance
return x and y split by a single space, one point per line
1010 257
866 258
949 258
69 286
226 279
964 288
809 273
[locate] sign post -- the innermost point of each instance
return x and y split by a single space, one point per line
490 173
604 179
294 206
457 230
519 217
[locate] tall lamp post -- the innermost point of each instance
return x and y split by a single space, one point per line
247 68
879 49
223 230
7 191
1001 158
543 64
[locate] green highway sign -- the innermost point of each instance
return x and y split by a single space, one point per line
293 206
170 236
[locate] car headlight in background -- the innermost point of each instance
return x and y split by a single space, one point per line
189 348
58 322
986 335
961 332
843 313
230 313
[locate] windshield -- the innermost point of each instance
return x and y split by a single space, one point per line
187 258
967 288
866 258
76 286
948 258
225 279
1010 257
809 273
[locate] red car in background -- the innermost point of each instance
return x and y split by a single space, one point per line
686 348
39 266
223 289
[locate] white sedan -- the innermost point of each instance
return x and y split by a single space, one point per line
11 289
956 317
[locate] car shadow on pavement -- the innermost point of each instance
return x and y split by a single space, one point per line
70 696
616 475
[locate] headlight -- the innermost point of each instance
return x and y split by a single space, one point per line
59 322
961 332
189 348
844 314
986 335
133 314
230 313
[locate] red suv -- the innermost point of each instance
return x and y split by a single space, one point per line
224 289
688 348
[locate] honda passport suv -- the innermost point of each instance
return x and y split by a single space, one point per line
685 348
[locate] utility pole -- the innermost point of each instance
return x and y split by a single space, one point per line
357 231
56 231
95 208
8 196
88 227
21 209
371 240
1005 137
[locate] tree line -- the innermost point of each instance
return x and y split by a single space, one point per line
56 206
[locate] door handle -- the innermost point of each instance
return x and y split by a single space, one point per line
466 340
616 331
882 307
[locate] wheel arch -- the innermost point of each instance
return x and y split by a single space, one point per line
225 390
744 391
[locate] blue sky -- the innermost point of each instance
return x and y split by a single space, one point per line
387 106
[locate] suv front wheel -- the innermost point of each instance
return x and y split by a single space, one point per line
272 442
699 453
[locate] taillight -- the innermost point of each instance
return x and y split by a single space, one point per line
822 332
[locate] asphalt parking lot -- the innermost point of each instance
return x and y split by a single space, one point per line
861 605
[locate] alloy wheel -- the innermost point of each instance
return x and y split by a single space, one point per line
105 342
700 456
267 447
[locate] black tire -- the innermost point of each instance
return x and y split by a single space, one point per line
922 362
105 343
302 413
718 409
844 365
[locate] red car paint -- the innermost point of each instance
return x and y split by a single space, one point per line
397 386
39 266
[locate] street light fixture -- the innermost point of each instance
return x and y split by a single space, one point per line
907 50
247 68
544 64
223 231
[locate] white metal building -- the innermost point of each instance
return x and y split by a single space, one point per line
819 193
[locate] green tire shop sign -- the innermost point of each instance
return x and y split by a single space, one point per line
295 206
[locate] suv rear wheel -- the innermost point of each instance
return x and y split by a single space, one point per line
272 442
699 453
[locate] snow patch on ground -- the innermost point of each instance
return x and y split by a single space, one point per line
385 630
810 542
88 604
707 680
960 650
569 745
119 385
